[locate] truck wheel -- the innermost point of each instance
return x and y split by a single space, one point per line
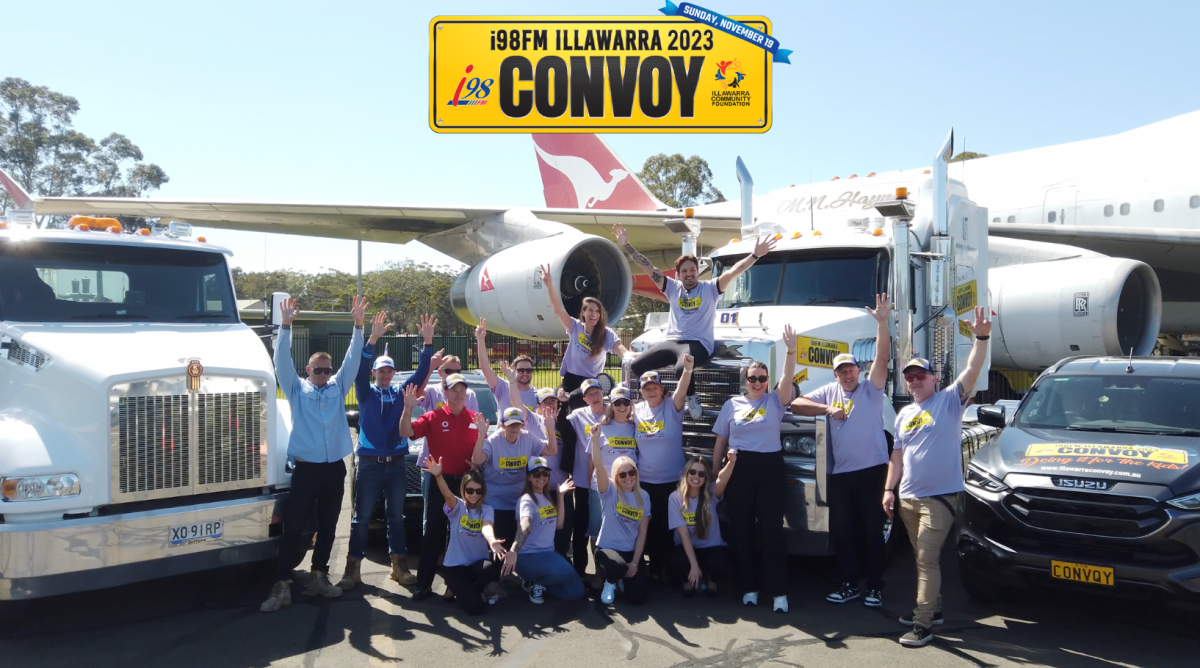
12 612
978 585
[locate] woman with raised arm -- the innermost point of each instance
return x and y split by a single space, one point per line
532 554
615 436
625 510
700 555
751 425
467 569
660 456
589 339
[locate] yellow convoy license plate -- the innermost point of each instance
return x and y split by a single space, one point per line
1066 570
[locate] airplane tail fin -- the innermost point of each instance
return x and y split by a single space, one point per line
18 194
580 171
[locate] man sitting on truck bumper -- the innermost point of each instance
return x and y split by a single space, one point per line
319 443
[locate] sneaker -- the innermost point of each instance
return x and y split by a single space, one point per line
319 585
750 598
448 596
874 598
352 576
608 593
708 587
845 594
421 593
535 594
689 592
527 585
494 591
694 408
400 572
281 595
780 604
919 636
907 620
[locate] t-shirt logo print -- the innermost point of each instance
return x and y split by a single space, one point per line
752 415
690 519
469 525
513 463
689 304
621 443
629 512
846 407
584 343
916 422
547 513
650 427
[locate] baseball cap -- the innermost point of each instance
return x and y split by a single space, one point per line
512 415
589 384
918 362
454 379
544 394
382 361
618 392
844 358
538 463
650 377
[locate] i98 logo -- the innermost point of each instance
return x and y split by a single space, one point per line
475 88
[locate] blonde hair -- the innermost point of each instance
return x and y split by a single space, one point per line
319 356
637 480
450 358
703 499
610 414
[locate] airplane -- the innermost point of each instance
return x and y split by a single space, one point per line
1134 195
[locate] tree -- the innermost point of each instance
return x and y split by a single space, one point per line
967 155
42 150
680 182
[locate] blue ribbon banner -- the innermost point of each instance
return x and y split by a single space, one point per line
728 25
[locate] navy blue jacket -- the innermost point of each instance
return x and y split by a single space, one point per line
380 408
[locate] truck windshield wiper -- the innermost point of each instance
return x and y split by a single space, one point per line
200 316
112 316
1127 430
821 300
1178 432
1108 429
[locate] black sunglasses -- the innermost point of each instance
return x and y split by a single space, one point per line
621 402
627 474
757 379
529 370
698 472
540 473
322 371
473 490
452 371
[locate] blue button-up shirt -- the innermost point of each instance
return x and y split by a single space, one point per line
320 432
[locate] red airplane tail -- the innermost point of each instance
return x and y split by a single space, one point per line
581 172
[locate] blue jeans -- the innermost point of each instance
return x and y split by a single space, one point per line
371 478
553 572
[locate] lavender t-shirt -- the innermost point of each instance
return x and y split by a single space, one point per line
692 311
504 468
467 544
752 426
858 441
617 439
583 420
930 434
620 518
578 358
543 517
678 517
557 475
528 399
659 441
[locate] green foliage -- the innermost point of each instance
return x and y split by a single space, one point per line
967 155
678 181
42 150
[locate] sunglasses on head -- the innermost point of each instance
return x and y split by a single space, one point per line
624 475
621 402
473 490
525 370
699 473
540 473
757 379
918 376
321 370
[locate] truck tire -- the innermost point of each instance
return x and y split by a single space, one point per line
978 585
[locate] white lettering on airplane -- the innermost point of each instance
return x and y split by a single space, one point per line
590 187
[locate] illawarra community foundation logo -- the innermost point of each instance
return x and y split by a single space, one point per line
729 74
472 92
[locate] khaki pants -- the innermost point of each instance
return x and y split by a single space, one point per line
928 522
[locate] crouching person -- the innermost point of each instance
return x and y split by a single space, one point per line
625 518
700 554
540 513
466 568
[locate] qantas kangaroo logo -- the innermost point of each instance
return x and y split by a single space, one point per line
590 187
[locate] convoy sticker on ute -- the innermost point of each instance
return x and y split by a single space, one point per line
1095 457
818 352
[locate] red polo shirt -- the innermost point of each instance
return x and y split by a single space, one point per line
448 437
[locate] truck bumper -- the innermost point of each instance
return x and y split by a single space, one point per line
51 558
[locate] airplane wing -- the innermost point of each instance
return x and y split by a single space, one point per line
1161 248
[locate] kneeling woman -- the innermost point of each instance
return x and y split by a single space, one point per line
625 518
467 569
700 555
540 513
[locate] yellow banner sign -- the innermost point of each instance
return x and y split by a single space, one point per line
818 352
1135 452
966 297
595 74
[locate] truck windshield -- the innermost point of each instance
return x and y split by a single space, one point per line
1131 404
77 282
807 278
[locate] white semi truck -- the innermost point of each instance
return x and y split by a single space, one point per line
928 250
140 435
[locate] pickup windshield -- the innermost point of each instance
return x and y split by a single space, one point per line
44 281
807 278
1129 404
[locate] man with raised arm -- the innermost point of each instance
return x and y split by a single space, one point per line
319 443
522 364
693 306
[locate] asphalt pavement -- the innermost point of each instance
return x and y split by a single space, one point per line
212 619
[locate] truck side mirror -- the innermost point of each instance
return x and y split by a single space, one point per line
992 416
276 298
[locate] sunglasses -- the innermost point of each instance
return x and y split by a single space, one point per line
918 376
473 490
322 371
621 402
624 475
757 379
452 371
540 473
699 473
529 370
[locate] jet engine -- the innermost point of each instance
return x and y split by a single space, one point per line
507 288
1080 306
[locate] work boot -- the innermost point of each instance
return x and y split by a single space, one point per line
400 572
353 574
281 595
319 585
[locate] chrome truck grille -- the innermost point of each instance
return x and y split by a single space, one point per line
168 441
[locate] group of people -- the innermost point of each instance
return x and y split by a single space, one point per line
569 479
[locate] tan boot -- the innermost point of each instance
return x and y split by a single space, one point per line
281 595
400 572
352 576
319 585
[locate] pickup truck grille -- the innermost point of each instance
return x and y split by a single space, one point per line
153 446
714 386
1108 515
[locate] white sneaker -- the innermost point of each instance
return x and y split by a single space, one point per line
780 604
694 407
608 594
535 594
750 598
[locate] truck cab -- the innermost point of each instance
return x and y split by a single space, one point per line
140 434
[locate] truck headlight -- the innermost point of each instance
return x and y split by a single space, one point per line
1189 502
807 445
977 477
33 488
789 444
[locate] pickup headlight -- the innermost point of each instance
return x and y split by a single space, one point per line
34 488
805 446
1189 502
977 477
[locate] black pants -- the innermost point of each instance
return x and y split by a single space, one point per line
659 537
467 583
670 353
570 383
856 524
612 566
504 524
317 490
579 536
715 562
437 532
562 537
755 496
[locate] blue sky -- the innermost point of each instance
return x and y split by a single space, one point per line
324 101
